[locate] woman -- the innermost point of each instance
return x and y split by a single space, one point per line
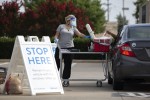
64 38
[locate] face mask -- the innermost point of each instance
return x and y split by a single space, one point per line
73 23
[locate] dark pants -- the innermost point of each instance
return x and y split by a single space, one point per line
67 63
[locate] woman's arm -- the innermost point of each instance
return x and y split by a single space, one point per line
56 37
112 34
78 33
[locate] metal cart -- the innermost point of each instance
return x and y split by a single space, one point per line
104 64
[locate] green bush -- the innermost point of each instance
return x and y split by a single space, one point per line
6 45
82 44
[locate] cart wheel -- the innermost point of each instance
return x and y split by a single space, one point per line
99 83
66 83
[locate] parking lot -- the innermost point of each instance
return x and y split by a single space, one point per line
88 90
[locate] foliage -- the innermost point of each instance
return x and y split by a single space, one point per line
94 11
121 22
9 18
82 44
7 44
138 4
42 17
32 4
48 15
6 39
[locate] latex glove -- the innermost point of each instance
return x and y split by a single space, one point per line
87 37
55 40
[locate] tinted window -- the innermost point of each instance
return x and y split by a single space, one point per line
144 14
139 32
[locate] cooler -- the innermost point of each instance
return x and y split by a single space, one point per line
101 44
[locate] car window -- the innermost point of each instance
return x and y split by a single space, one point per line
139 32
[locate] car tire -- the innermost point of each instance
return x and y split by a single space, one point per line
117 85
110 80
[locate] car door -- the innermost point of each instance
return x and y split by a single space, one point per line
114 50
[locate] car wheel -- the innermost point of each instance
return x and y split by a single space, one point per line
110 80
117 85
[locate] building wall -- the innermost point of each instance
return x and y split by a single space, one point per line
148 12
109 26
145 13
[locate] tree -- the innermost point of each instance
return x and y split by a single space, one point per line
48 15
32 4
138 4
51 13
121 22
42 17
9 18
94 11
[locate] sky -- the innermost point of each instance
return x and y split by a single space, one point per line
115 9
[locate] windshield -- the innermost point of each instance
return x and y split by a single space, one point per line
139 32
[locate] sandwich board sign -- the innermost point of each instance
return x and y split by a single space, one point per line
54 46
34 61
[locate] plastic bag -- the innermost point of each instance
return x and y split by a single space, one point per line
13 85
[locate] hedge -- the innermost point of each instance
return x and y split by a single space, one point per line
7 45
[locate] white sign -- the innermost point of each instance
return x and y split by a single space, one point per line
54 46
39 64
40 68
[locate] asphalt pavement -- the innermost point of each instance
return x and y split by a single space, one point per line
87 90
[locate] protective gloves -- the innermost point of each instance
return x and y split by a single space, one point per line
88 37
55 40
